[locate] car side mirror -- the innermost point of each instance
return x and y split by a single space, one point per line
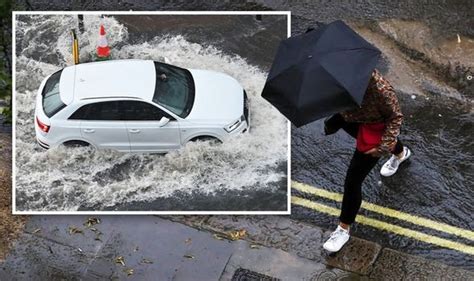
163 121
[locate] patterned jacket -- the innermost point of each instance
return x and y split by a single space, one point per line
380 104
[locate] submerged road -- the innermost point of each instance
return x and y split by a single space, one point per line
246 173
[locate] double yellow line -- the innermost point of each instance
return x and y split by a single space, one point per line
389 213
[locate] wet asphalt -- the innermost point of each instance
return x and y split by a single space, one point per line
436 183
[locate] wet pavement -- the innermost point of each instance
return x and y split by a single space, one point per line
200 248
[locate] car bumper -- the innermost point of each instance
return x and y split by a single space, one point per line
246 113
246 126
42 144
243 127
41 138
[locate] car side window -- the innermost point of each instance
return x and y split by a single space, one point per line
108 111
141 111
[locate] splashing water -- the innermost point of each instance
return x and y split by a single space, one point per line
63 179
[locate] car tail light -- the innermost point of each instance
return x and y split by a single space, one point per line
43 127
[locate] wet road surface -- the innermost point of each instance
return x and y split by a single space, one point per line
437 182
437 101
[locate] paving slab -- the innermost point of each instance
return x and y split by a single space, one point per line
34 258
393 265
279 264
300 238
273 231
357 255
158 249
71 231
150 247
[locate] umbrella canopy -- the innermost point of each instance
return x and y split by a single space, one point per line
320 72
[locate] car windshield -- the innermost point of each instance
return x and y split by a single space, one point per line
174 89
52 103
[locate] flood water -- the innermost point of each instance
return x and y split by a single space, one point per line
245 173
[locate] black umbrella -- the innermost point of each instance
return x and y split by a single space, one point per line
320 72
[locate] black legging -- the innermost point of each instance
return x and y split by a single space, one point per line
360 166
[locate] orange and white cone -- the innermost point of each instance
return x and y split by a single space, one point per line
103 50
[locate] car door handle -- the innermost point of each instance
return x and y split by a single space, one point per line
134 131
89 131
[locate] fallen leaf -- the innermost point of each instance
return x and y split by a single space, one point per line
217 237
147 261
97 233
120 260
189 256
75 230
91 221
129 271
237 234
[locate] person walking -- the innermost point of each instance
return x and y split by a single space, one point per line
376 126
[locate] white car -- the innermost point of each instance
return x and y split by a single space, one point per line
137 106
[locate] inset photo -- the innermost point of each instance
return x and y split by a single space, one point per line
131 113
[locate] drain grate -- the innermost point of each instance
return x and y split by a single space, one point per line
243 274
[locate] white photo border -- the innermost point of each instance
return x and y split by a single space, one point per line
177 13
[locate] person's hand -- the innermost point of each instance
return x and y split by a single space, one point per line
374 152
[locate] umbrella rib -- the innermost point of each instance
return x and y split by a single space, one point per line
298 104
339 50
338 83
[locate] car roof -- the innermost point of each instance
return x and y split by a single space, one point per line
114 78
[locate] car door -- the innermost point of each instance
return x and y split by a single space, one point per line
145 131
102 125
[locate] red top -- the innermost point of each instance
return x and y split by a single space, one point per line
370 136
102 30
380 104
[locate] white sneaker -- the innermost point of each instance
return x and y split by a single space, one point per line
391 166
337 239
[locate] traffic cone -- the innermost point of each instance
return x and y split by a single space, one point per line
103 50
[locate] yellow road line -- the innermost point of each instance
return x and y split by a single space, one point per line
387 211
445 243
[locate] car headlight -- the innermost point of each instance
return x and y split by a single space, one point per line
234 125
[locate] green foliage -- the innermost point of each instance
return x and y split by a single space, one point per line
5 84
5 9
7 112
5 47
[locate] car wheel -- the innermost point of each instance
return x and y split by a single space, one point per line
211 140
76 143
